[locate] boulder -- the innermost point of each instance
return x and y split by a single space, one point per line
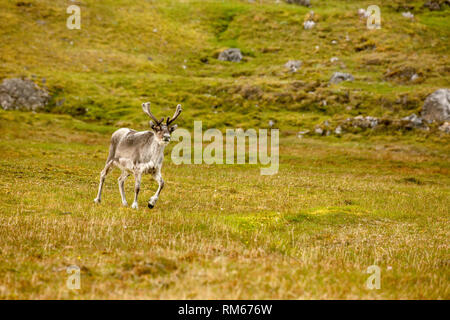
445 127
293 65
436 5
308 24
306 3
437 106
340 76
408 15
232 54
22 94
318 131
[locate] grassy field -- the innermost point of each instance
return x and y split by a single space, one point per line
337 205
310 231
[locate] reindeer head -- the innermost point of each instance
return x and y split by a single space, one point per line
162 130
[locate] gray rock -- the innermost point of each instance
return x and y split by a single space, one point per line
437 106
318 131
408 15
308 24
300 134
232 54
293 65
19 94
414 120
414 77
363 122
306 3
445 127
372 121
338 130
434 5
340 76
362 13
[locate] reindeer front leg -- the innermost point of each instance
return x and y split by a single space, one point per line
159 179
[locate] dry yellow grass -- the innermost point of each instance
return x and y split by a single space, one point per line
221 231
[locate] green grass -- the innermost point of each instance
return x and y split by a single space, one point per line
103 72
337 205
310 231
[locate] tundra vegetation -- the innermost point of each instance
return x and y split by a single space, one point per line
377 195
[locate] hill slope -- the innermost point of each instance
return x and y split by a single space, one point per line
166 52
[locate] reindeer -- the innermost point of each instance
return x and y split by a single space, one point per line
139 153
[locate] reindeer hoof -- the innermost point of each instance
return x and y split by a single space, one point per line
96 200
150 205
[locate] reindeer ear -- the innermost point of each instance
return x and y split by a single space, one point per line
173 128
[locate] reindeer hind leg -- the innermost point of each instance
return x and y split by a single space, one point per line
121 180
103 175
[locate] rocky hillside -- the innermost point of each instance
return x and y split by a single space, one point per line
313 70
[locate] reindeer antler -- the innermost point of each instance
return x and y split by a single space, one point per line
146 109
176 114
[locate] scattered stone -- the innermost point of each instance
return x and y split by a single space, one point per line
300 134
318 131
437 106
232 54
404 74
414 120
22 94
445 127
433 5
340 76
306 3
334 59
361 122
271 123
293 65
367 122
408 15
362 13
307 25
334 42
